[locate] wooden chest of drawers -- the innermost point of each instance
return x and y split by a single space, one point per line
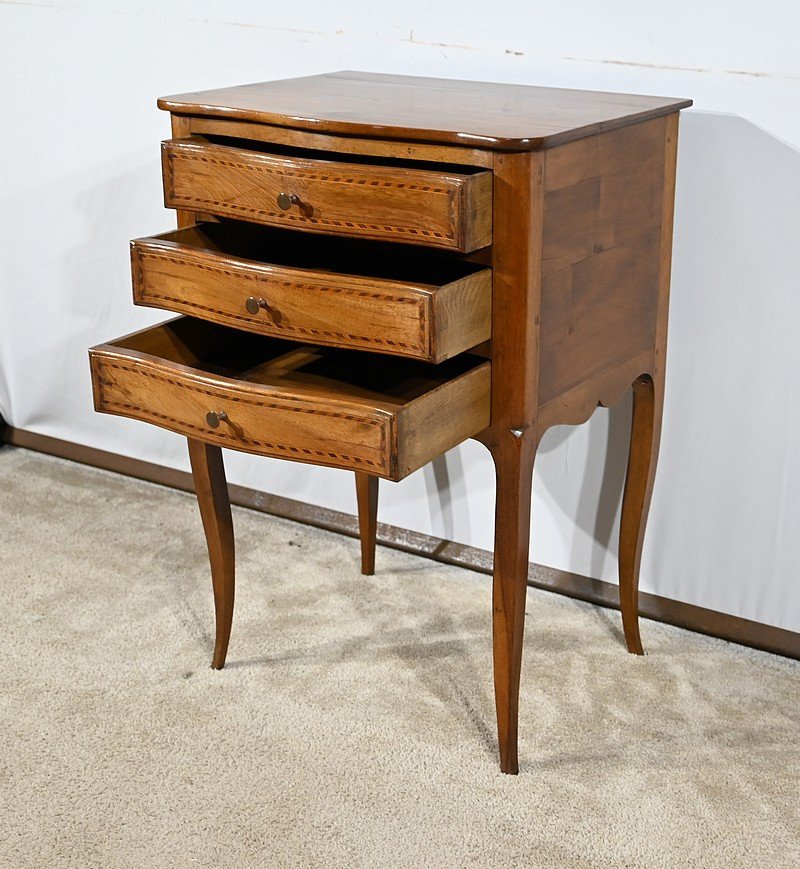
376 268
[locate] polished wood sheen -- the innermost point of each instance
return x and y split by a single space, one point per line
215 510
430 152
648 406
529 286
449 209
475 114
601 242
380 415
367 496
369 297
514 433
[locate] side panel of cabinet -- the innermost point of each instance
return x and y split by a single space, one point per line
601 256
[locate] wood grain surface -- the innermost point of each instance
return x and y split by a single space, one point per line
469 113
561 199
211 488
446 209
367 500
305 289
380 415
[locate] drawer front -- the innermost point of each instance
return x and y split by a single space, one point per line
417 206
425 321
286 400
270 425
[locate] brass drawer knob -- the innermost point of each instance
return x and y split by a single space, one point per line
287 200
254 305
213 418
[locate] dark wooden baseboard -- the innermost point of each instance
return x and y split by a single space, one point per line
662 609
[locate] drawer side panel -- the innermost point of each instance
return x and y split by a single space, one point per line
443 418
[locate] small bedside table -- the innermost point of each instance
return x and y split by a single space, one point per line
376 268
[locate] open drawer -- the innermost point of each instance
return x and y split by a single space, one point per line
393 200
339 292
378 414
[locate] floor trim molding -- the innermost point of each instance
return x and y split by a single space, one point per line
684 615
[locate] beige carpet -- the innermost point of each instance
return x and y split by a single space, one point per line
354 725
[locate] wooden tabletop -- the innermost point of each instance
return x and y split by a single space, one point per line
477 114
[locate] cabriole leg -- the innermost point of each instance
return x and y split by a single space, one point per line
215 510
513 461
648 400
367 497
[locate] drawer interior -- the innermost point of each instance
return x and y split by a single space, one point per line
324 372
320 253
292 151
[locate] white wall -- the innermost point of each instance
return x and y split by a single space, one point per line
80 177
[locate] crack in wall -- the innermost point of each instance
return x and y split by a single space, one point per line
698 69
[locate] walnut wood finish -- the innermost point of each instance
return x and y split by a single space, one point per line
601 259
514 435
590 286
415 206
367 497
574 192
638 485
339 295
208 472
648 405
380 415
604 304
392 148
181 129
477 114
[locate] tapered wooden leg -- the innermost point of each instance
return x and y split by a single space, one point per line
215 510
648 400
514 469
367 497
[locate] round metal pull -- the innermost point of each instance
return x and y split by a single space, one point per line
287 200
254 305
213 418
